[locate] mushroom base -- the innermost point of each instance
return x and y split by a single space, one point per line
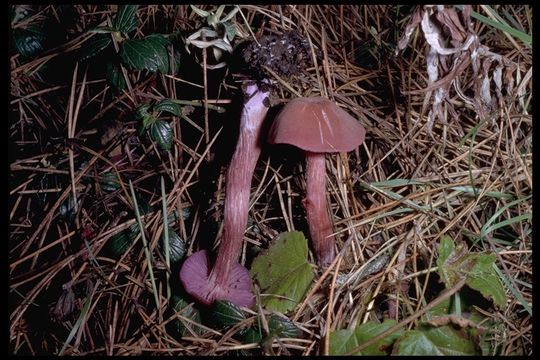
197 281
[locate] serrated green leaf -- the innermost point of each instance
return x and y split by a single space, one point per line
103 30
449 254
483 278
94 46
121 242
29 41
442 340
188 311
149 53
344 341
283 273
226 313
445 249
253 335
167 105
115 77
177 247
142 111
126 18
109 181
282 327
454 264
162 133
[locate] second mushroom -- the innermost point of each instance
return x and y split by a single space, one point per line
317 126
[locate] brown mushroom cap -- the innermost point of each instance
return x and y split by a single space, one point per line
316 124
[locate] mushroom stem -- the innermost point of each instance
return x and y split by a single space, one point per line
318 219
238 183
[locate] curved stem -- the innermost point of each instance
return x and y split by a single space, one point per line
320 225
238 183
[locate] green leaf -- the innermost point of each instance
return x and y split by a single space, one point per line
169 106
226 313
67 209
94 46
186 310
278 327
121 242
177 247
126 19
455 263
430 340
283 273
142 111
29 41
162 133
149 53
483 278
344 341
253 335
115 77
109 181
282 327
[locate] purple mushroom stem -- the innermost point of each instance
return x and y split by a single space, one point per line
320 225
238 183
227 279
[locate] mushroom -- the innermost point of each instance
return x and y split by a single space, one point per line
286 55
317 126
228 280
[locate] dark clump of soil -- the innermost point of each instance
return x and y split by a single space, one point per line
286 55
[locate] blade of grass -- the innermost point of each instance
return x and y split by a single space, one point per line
524 37
469 189
78 323
145 245
396 183
400 198
513 290
166 236
487 228
507 222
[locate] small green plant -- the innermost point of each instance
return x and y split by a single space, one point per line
160 130
148 53
444 329
283 272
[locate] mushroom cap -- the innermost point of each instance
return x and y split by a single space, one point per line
195 277
318 125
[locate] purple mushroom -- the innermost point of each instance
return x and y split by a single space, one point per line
318 126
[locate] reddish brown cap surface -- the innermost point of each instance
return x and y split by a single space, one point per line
316 124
